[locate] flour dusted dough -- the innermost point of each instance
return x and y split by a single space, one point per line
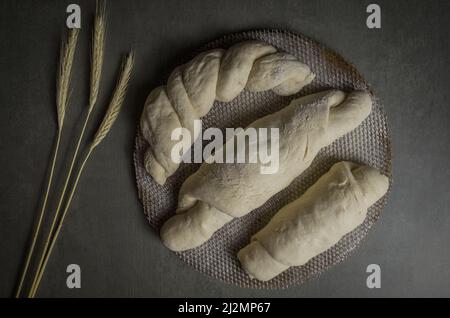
280 72
219 192
217 74
335 205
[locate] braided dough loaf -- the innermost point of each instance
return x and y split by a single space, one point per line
335 205
217 74
218 192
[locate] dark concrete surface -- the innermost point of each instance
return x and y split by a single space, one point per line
406 61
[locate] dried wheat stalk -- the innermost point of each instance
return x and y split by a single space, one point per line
105 126
98 43
62 92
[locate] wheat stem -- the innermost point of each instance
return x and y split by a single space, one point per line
58 229
67 54
96 71
105 126
61 199
41 216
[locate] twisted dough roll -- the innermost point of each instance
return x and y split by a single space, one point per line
335 205
218 192
217 74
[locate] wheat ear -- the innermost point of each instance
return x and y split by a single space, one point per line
116 101
65 69
67 54
98 42
105 126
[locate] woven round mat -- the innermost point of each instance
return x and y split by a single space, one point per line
369 144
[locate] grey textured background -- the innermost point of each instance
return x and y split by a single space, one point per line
106 233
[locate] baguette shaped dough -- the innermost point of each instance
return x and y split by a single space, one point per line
335 205
192 89
218 192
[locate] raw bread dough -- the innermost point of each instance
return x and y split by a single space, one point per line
219 192
216 74
335 205
278 72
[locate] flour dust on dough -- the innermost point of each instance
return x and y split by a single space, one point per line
217 192
217 74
